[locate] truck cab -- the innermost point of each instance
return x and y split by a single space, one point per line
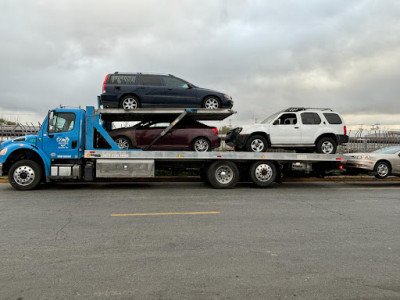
34 158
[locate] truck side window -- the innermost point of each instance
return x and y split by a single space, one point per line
62 122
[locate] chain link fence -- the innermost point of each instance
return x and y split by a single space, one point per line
11 131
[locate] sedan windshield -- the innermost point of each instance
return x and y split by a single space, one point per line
270 118
389 150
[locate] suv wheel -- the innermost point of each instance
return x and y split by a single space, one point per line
326 145
130 102
211 103
257 143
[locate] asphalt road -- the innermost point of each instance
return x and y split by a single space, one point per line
297 240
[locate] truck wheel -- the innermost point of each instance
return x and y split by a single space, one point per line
326 145
263 173
123 142
257 143
382 170
25 175
223 174
130 102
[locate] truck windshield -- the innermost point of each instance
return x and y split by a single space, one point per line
62 122
270 118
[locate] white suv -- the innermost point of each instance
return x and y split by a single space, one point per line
316 129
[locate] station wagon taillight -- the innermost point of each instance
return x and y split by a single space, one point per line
345 130
215 130
104 83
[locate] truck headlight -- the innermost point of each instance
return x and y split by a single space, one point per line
3 152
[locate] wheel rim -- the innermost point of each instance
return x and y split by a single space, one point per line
257 145
24 175
122 143
130 103
327 147
201 145
211 103
382 170
263 172
224 174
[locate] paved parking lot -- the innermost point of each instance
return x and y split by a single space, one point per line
188 241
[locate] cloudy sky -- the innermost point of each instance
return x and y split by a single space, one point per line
268 55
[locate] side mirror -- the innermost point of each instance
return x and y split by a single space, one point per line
276 122
50 119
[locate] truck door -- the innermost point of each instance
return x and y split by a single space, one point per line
62 138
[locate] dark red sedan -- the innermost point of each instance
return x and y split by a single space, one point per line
186 135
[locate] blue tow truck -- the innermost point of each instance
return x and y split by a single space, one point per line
73 145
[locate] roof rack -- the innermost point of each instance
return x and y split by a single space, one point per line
296 109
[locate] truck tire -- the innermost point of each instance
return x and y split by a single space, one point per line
25 175
257 143
223 174
262 173
326 145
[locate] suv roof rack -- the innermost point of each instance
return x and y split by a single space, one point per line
296 109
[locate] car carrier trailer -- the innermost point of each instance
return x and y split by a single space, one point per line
67 148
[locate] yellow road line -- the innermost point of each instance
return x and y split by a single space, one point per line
167 213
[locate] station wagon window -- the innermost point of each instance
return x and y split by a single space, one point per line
310 118
172 82
62 122
286 119
333 118
152 80
123 79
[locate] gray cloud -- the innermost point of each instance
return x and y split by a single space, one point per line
267 54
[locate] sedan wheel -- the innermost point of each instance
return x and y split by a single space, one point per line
211 103
130 102
201 145
123 142
382 170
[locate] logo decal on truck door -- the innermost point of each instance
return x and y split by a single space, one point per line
63 142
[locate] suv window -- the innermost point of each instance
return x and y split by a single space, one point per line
333 118
123 79
152 80
62 122
172 82
310 118
286 119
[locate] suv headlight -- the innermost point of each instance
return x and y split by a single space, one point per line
238 130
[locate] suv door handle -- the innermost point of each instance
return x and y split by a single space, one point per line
296 127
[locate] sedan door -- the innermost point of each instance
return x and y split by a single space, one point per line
396 163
